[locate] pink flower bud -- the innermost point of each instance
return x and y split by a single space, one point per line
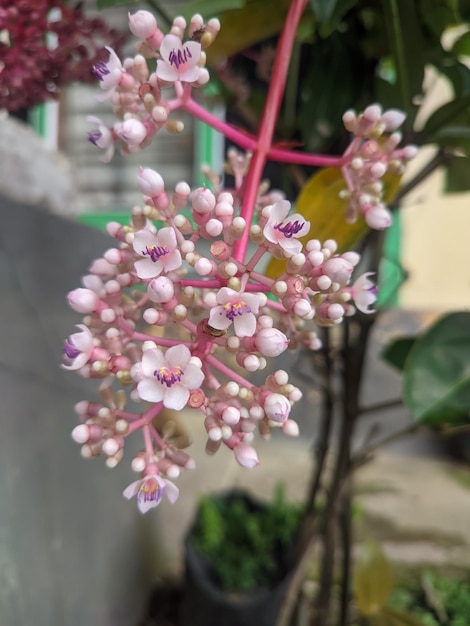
338 269
142 24
277 407
392 119
271 342
131 131
150 182
160 289
378 217
246 455
290 428
83 300
203 200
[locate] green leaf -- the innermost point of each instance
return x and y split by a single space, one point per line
328 13
397 351
373 579
244 27
462 46
437 373
210 8
105 4
445 116
394 617
439 15
458 175
405 38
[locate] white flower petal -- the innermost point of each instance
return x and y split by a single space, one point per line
151 390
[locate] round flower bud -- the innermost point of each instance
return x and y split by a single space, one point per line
277 407
150 182
142 24
160 289
83 300
271 342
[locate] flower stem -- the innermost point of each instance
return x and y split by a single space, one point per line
268 120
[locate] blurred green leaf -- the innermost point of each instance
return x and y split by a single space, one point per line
210 8
244 27
445 116
373 579
458 175
397 351
104 4
437 373
462 45
439 15
328 13
394 617
405 38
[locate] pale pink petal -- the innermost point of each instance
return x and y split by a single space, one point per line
218 319
245 325
78 362
151 390
190 75
169 43
146 505
146 268
143 239
171 490
152 360
167 237
177 356
176 397
130 491
193 376
166 72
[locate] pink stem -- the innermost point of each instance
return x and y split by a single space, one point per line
227 371
268 121
241 139
303 158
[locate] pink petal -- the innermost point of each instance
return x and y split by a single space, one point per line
177 356
152 360
130 491
176 397
166 72
218 319
245 325
151 390
193 376
146 268
171 490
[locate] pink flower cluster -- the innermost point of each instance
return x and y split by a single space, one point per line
184 274
370 156
138 94
180 312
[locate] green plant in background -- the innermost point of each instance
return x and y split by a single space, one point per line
243 540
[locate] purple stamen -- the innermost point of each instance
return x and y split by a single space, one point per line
155 252
179 57
100 70
232 310
150 492
289 229
169 376
94 136
70 350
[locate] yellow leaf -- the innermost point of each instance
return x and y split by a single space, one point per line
244 27
320 203
373 579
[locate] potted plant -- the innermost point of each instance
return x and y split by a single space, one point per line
238 556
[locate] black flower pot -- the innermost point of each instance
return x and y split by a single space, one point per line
205 603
